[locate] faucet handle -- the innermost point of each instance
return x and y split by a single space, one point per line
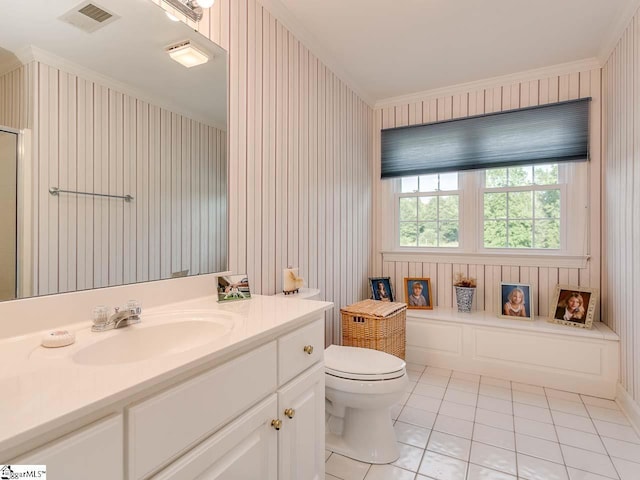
134 307
100 315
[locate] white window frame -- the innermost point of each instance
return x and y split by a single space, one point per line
562 187
574 200
437 193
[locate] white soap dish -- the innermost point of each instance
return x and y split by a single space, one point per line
58 338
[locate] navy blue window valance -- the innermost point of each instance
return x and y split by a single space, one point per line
557 132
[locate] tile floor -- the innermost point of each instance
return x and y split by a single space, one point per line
459 426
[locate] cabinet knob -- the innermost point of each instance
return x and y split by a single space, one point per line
277 424
308 349
290 412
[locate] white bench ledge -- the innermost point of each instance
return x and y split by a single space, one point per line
535 352
539 324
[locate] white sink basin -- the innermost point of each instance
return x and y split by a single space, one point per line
143 341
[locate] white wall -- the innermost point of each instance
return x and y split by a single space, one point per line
300 171
621 202
458 102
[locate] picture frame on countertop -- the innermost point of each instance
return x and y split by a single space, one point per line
233 287
381 289
516 301
574 306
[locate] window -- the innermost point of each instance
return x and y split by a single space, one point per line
510 208
521 207
429 211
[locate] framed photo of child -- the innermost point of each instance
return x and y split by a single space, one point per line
574 306
381 289
417 293
515 301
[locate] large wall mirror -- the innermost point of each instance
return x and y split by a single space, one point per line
113 155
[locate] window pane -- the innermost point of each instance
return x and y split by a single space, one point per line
520 205
448 234
448 181
545 174
428 183
408 234
449 209
520 176
496 177
428 208
495 234
495 205
520 234
408 209
428 234
547 234
409 184
548 204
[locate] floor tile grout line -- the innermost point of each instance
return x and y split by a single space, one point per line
515 439
615 469
473 429
433 426
555 429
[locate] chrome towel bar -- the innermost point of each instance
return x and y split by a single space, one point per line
56 191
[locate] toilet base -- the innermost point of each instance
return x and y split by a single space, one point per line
367 436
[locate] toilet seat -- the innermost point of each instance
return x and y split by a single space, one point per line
354 363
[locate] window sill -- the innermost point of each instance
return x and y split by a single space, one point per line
513 259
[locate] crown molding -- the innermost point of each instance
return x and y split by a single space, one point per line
617 30
34 54
291 22
534 74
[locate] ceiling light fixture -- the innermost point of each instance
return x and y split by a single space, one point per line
171 16
190 8
206 3
187 54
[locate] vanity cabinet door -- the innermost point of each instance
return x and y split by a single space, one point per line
301 438
244 450
94 452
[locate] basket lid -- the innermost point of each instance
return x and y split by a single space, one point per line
362 363
374 308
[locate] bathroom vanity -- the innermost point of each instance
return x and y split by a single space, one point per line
241 399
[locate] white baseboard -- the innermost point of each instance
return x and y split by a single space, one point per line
629 406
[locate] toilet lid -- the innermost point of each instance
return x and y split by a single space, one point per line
362 363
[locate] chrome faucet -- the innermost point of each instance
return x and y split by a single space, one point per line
121 318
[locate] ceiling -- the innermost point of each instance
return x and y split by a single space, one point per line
128 53
400 47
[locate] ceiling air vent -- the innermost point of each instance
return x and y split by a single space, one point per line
95 13
88 17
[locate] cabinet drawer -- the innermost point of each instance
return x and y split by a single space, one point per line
247 448
292 357
94 452
164 426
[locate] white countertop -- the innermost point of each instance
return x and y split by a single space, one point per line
539 324
43 389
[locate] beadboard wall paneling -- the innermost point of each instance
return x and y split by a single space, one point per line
13 98
621 202
300 173
467 103
90 138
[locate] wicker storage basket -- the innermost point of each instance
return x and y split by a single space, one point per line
377 325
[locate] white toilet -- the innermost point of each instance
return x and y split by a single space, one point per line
361 385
